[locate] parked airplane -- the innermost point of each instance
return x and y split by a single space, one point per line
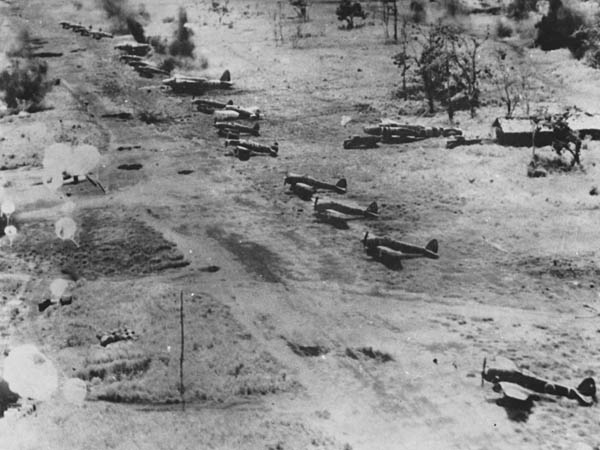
303 190
395 128
197 85
362 142
134 48
149 70
293 178
146 68
252 113
408 251
66 25
371 212
519 386
100 34
232 127
208 106
271 150
391 252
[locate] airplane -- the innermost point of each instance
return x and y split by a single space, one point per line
100 34
518 386
459 141
410 251
146 68
244 153
130 58
293 178
226 127
271 150
335 218
66 25
303 190
134 48
361 142
77 28
213 106
395 128
197 85
83 31
371 212
209 106
392 252
223 115
252 113
149 70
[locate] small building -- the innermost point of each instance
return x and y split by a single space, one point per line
586 125
518 132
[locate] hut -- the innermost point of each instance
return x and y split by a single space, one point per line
518 132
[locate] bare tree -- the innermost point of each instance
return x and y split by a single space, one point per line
467 69
404 59
506 81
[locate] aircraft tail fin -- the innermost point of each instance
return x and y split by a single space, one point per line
364 239
373 208
316 202
588 388
226 76
230 102
342 184
432 246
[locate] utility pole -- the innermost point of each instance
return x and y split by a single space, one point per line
395 20
181 388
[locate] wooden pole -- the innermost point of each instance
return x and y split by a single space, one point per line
181 388
395 21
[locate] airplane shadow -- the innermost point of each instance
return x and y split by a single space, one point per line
516 410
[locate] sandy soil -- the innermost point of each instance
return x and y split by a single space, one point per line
299 340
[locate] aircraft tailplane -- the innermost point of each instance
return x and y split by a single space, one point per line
588 388
432 246
373 208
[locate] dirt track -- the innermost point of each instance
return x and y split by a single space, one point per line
299 340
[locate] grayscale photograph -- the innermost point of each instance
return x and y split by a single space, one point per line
299 224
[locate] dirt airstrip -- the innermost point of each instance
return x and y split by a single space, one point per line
295 339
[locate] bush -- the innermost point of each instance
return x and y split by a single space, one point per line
520 9
503 29
25 84
454 8
418 11
347 11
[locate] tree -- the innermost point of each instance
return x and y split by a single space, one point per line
433 66
514 83
348 11
403 59
447 63
465 50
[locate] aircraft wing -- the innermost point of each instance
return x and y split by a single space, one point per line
514 391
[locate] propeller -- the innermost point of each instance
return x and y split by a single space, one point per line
483 371
364 240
